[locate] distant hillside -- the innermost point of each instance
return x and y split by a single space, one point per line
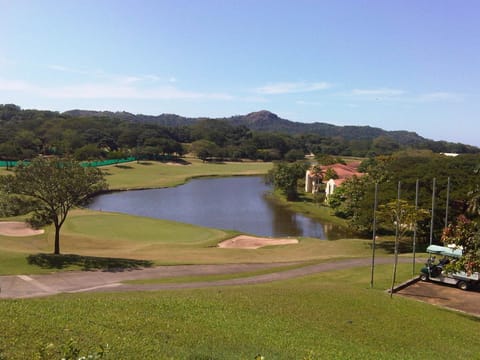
260 135
266 121
163 119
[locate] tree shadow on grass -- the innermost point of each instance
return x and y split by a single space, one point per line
126 167
86 263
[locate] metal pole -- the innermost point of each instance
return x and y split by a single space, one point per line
374 233
448 200
433 211
415 229
397 225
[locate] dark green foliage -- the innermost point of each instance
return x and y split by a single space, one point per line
285 176
330 174
294 155
326 159
89 152
12 205
261 135
354 199
55 186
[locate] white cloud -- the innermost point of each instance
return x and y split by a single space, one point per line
100 74
107 91
292 87
440 96
382 92
15 85
121 89
305 102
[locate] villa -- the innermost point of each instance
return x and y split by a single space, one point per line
343 172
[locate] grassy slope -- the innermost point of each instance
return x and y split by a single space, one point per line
164 242
154 174
331 316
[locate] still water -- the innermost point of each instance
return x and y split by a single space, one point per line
237 203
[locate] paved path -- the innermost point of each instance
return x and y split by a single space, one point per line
26 286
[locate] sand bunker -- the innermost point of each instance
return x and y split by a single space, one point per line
250 242
17 228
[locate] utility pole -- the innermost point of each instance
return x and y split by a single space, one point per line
447 204
374 236
415 229
433 211
397 231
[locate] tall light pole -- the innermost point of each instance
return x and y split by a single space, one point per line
415 229
374 236
433 210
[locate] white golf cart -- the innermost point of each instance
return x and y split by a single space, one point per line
434 271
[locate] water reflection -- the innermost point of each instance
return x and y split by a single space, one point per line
227 203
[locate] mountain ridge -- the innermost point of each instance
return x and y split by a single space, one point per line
264 120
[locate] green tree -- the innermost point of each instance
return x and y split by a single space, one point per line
294 155
317 174
89 152
404 212
352 200
55 186
465 234
205 149
330 174
285 177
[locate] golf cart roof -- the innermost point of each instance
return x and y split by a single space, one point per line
445 251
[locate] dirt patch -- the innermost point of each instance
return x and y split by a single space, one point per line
251 242
445 296
17 228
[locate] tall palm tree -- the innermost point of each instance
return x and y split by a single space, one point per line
316 173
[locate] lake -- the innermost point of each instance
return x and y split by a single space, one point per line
235 203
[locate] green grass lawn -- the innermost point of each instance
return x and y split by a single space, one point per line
151 174
114 235
331 315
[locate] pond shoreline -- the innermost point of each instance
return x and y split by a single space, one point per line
228 202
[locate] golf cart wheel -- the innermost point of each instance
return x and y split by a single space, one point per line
463 285
423 277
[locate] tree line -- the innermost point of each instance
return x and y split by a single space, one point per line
456 180
449 184
27 133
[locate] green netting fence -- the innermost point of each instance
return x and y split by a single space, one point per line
107 162
9 164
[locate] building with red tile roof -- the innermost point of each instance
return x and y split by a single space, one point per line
343 171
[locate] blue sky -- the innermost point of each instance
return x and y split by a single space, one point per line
399 65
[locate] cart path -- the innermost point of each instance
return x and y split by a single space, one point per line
28 286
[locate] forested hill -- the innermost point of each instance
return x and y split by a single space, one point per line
163 119
258 136
266 121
